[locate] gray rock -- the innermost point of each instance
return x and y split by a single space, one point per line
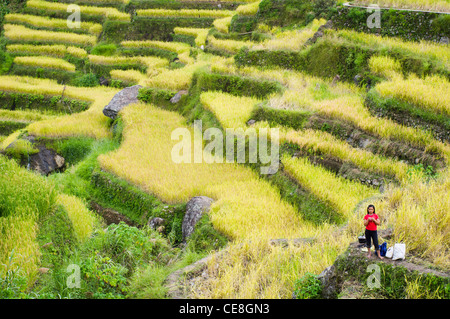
120 100
103 81
177 97
156 222
44 161
329 283
357 79
195 209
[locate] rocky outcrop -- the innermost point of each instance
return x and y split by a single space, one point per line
42 160
195 209
120 100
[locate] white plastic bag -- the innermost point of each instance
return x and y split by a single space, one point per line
390 252
399 252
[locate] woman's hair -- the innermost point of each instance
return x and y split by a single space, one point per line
372 207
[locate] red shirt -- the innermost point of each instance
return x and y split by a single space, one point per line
371 225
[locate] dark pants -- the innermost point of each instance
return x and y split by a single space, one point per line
372 235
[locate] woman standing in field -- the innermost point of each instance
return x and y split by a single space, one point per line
371 221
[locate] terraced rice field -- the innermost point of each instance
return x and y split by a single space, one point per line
336 153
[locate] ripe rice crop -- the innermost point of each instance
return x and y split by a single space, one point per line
234 112
329 144
232 46
82 219
430 93
110 13
176 79
351 108
248 9
385 66
194 13
90 123
439 52
133 76
149 61
58 50
259 270
231 111
45 62
21 33
258 210
342 194
290 39
176 47
23 116
222 24
199 34
45 22
25 198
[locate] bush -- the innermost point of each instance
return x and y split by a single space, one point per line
86 80
236 85
129 246
411 26
13 284
5 62
104 49
308 287
103 278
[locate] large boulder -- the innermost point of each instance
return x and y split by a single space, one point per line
46 161
195 209
43 161
120 100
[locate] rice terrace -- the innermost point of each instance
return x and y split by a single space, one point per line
229 149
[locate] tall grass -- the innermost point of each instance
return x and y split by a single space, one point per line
21 33
153 64
82 219
232 46
418 212
258 270
23 116
24 197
